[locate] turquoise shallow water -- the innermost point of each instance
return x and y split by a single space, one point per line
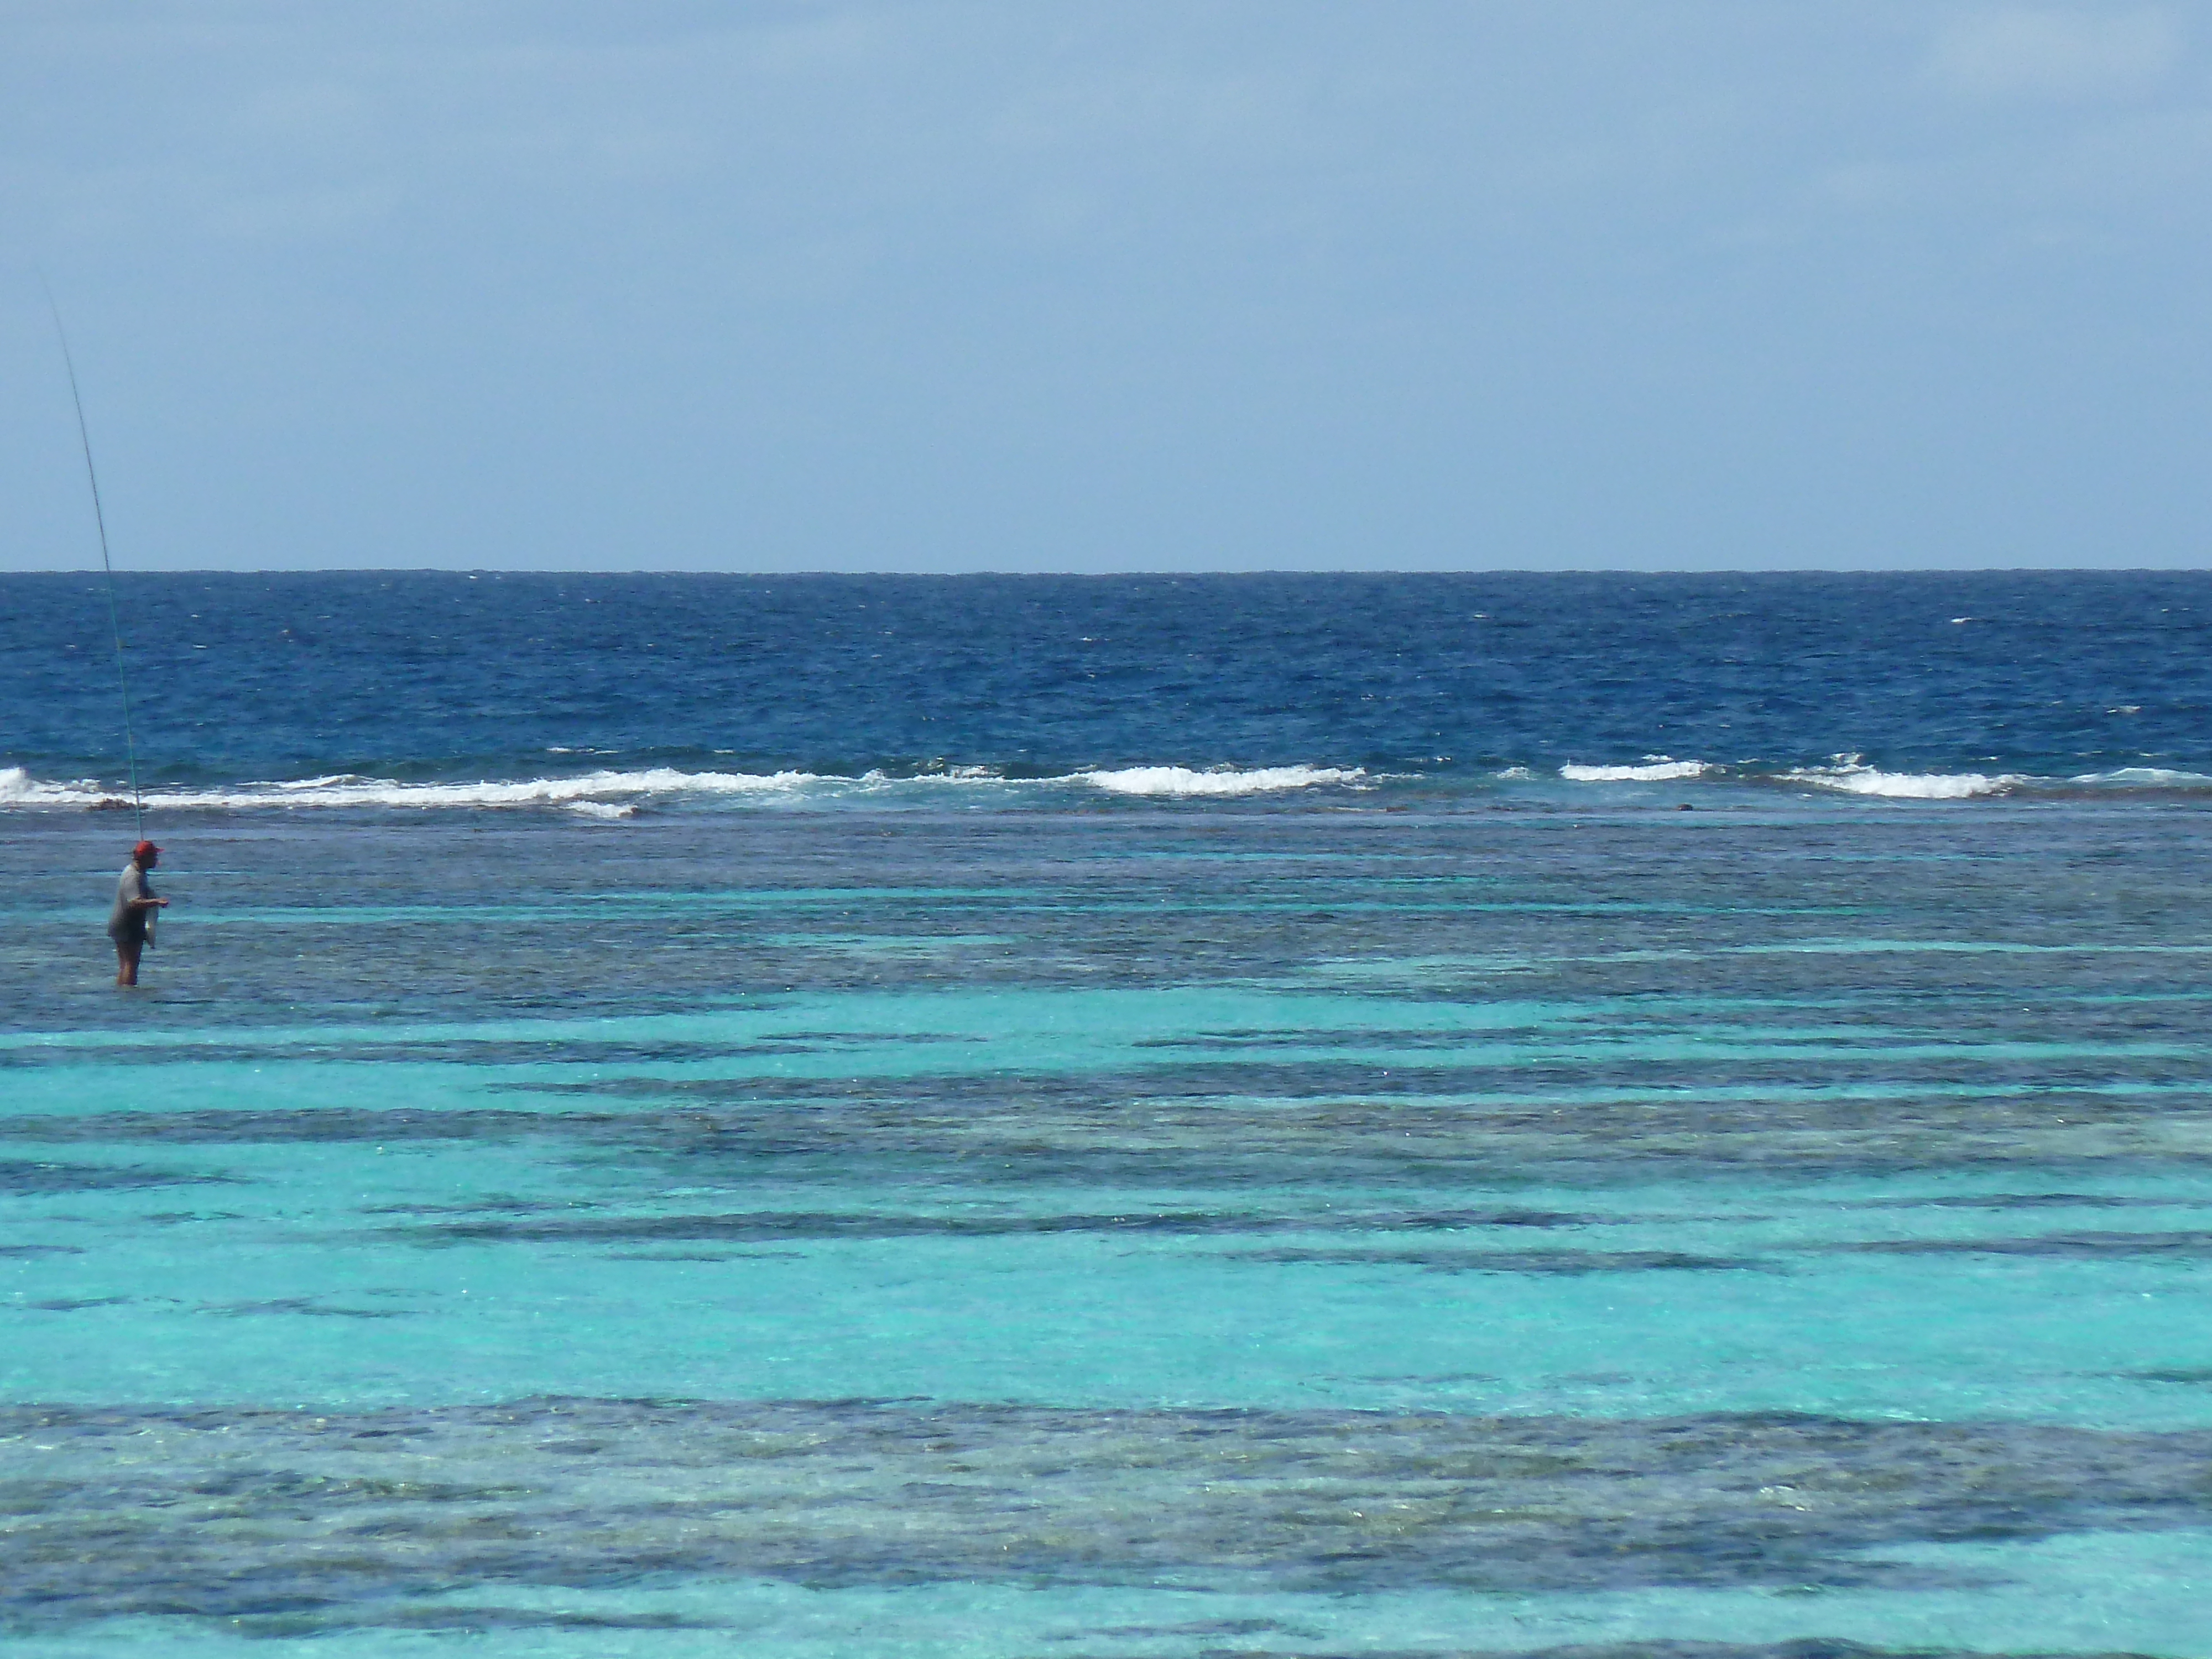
1194 1229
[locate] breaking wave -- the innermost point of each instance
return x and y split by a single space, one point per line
612 794
2147 777
1850 774
599 788
617 794
1182 780
1656 769
1852 778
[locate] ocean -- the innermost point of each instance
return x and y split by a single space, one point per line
1120 1118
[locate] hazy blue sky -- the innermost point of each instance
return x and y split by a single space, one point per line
1212 284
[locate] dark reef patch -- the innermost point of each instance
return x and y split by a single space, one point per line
25 1178
357 1518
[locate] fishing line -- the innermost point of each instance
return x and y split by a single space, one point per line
106 564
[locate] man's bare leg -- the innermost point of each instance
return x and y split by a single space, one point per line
126 962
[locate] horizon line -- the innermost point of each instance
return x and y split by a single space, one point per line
479 571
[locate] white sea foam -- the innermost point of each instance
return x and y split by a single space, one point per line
945 774
1854 778
610 794
603 788
1656 769
2147 777
19 789
1182 780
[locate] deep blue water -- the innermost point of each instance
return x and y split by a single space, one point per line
1452 679
680 1116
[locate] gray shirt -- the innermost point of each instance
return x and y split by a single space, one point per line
126 917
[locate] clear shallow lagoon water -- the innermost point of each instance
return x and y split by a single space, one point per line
1157 1168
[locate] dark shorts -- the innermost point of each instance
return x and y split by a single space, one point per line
130 934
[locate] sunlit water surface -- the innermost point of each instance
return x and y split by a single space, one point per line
1138 1119
1151 1231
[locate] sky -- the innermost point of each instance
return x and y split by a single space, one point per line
1206 285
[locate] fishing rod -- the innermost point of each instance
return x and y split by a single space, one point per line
106 564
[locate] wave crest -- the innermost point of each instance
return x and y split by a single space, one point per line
1176 780
609 793
17 787
1852 778
612 794
2147 777
1656 769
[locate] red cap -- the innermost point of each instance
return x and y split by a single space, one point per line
142 848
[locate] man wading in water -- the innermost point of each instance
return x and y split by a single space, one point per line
131 923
